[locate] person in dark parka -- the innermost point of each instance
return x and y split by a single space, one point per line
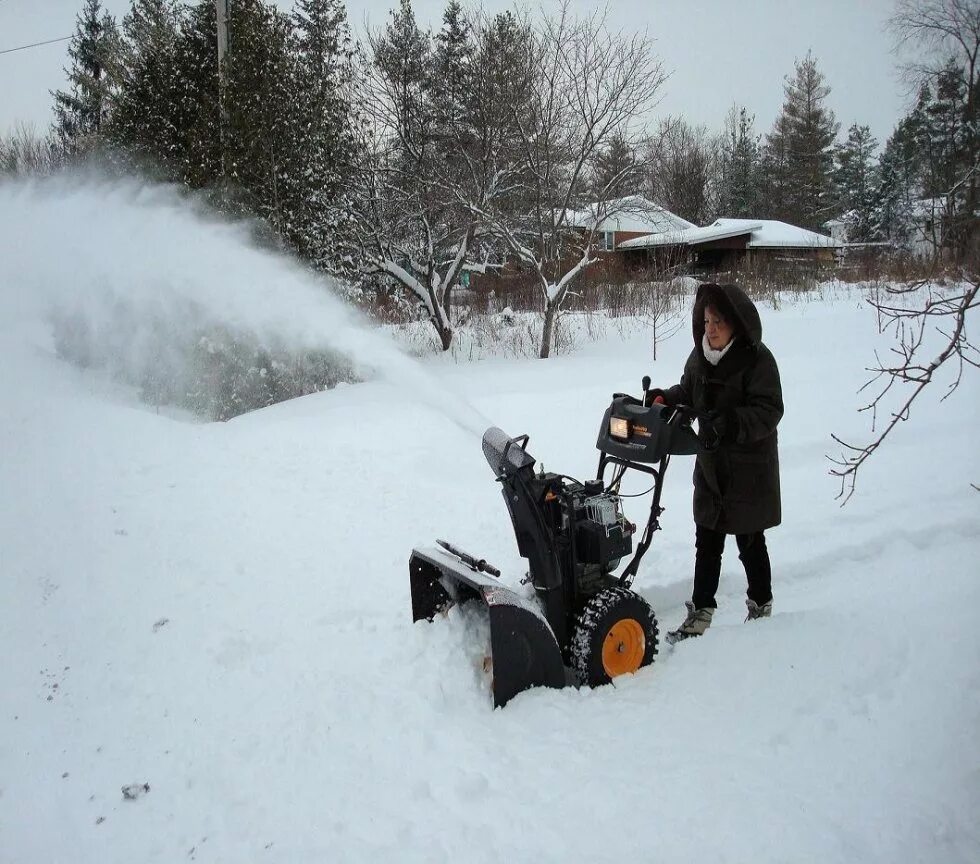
732 382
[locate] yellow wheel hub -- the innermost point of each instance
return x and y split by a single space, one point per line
623 648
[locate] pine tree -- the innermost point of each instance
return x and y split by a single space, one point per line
82 110
739 196
801 148
501 99
402 56
451 72
325 128
504 51
944 133
776 169
613 169
145 107
856 182
260 124
197 107
899 178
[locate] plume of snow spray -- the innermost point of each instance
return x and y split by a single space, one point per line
89 246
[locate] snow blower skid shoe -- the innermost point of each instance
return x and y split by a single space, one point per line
587 626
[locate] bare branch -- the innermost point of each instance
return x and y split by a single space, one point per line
910 325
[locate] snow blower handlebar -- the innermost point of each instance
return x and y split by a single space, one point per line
636 435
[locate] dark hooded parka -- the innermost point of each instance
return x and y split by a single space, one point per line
736 481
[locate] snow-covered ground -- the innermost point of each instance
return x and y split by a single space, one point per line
221 611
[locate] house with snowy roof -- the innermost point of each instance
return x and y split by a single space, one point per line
623 219
728 243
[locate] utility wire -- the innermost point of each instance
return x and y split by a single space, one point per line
34 45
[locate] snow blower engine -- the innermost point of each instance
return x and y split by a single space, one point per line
585 625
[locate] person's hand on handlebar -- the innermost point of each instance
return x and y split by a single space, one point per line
715 426
654 397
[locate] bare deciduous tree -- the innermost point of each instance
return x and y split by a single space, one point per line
683 172
664 312
586 87
24 152
951 27
435 156
912 319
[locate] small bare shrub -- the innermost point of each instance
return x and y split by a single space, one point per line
24 153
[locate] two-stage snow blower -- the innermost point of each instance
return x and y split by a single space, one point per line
587 626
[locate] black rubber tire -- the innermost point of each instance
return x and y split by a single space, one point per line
600 615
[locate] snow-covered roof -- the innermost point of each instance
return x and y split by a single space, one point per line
765 234
688 236
633 213
774 233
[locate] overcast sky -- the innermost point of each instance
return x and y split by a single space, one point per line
718 52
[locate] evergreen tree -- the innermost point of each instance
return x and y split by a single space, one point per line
944 133
82 110
166 112
776 169
856 182
925 162
260 130
899 177
145 108
452 71
501 99
504 51
614 168
402 57
450 74
738 195
801 148
197 106
325 129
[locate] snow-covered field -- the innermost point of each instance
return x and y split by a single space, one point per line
221 611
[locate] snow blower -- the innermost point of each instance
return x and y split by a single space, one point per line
585 626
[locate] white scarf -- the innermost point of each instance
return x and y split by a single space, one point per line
712 356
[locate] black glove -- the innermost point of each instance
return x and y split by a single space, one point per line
719 427
652 395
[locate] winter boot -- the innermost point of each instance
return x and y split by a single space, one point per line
757 611
697 621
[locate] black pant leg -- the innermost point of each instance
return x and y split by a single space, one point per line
755 558
709 545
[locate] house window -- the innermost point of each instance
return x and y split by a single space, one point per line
608 241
